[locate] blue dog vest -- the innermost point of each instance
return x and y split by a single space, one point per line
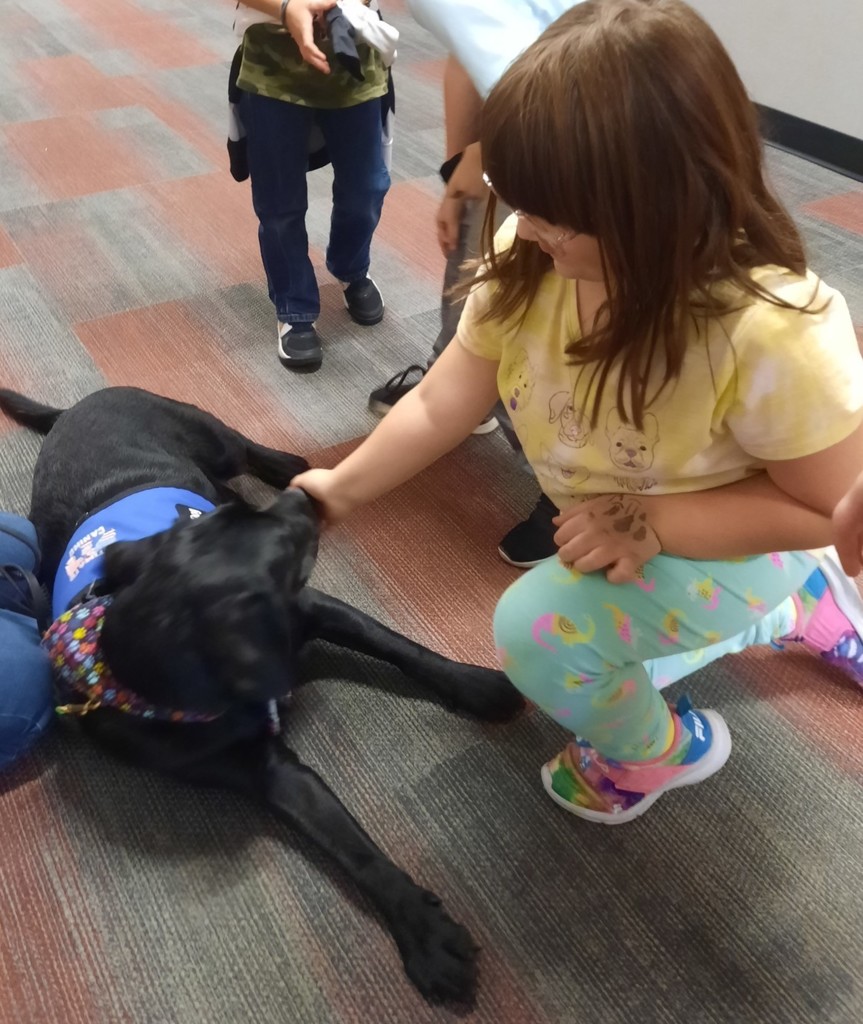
132 517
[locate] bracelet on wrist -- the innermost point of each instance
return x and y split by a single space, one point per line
282 12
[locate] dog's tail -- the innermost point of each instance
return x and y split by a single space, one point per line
25 410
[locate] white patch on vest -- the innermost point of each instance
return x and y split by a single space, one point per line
87 550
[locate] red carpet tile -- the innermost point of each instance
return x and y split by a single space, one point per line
431 552
72 84
9 254
56 251
407 225
180 118
47 944
820 702
71 156
145 35
169 350
213 216
845 211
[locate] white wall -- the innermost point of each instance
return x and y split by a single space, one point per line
803 57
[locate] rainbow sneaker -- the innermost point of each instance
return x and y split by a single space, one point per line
830 617
613 792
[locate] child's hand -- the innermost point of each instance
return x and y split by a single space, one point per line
610 532
319 484
300 22
448 222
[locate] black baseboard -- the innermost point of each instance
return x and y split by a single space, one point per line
839 152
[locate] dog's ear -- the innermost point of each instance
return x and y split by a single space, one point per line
252 654
125 560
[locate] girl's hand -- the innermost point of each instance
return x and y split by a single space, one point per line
448 223
610 532
319 484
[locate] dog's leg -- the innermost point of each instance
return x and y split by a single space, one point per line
438 954
272 466
482 692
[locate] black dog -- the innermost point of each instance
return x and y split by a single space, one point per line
209 616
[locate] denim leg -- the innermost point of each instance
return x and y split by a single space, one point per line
455 273
360 182
278 161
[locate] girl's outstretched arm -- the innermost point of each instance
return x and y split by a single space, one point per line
435 416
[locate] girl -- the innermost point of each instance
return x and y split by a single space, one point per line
684 388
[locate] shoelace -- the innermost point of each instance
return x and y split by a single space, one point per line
397 381
31 597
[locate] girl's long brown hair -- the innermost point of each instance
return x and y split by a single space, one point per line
627 120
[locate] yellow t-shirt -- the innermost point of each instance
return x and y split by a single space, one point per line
759 383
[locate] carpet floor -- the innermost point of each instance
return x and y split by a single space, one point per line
129 256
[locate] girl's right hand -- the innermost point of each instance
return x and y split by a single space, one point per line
320 485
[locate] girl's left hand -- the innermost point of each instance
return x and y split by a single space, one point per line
610 532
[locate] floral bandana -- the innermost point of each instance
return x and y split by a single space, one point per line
72 643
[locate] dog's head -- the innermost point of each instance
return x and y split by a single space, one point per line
201 616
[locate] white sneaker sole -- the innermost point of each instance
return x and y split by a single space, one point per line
487 426
521 565
710 764
843 589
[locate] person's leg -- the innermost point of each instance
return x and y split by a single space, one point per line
360 183
26 697
278 161
468 248
456 272
576 645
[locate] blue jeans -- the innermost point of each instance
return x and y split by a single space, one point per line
26 697
278 134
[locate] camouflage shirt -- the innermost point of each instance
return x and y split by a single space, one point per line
272 66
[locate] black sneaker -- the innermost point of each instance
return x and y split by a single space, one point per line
299 346
381 400
364 302
532 541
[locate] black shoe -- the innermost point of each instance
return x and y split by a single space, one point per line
532 541
364 302
381 400
299 346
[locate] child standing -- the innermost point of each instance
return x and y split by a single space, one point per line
686 391
283 100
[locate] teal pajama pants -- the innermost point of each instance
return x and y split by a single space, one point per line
592 654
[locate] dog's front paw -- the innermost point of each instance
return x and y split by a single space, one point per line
487 694
439 955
